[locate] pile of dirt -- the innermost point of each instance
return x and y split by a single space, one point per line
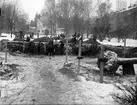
9 71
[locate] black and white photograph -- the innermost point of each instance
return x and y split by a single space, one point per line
68 52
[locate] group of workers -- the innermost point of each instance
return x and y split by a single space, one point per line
50 48
53 45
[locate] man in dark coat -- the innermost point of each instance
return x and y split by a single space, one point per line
28 39
39 46
31 47
50 47
62 47
74 39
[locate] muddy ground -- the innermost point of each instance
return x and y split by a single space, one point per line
44 80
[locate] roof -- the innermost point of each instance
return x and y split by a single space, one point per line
128 9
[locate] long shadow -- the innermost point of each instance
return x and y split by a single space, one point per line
97 72
69 72
94 71
109 78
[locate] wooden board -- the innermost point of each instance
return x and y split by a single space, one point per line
122 61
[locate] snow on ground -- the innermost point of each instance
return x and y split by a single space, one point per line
7 36
114 41
47 81
36 36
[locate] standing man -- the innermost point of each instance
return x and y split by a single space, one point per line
62 47
39 45
74 40
28 39
50 47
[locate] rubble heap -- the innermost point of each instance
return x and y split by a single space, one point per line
8 71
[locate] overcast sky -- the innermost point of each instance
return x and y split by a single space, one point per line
34 6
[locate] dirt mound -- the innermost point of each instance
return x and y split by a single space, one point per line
9 71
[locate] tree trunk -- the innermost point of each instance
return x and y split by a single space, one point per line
87 33
38 35
124 46
0 32
51 28
11 32
11 26
118 40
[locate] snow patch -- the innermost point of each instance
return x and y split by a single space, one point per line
7 36
114 42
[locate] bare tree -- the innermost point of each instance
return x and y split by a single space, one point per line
75 14
72 15
13 16
22 23
102 23
124 21
2 5
88 17
50 13
8 15
64 9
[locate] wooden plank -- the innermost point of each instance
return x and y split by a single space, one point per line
127 61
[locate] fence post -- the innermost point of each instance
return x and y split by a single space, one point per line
79 54
44 47
101 64
66 49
